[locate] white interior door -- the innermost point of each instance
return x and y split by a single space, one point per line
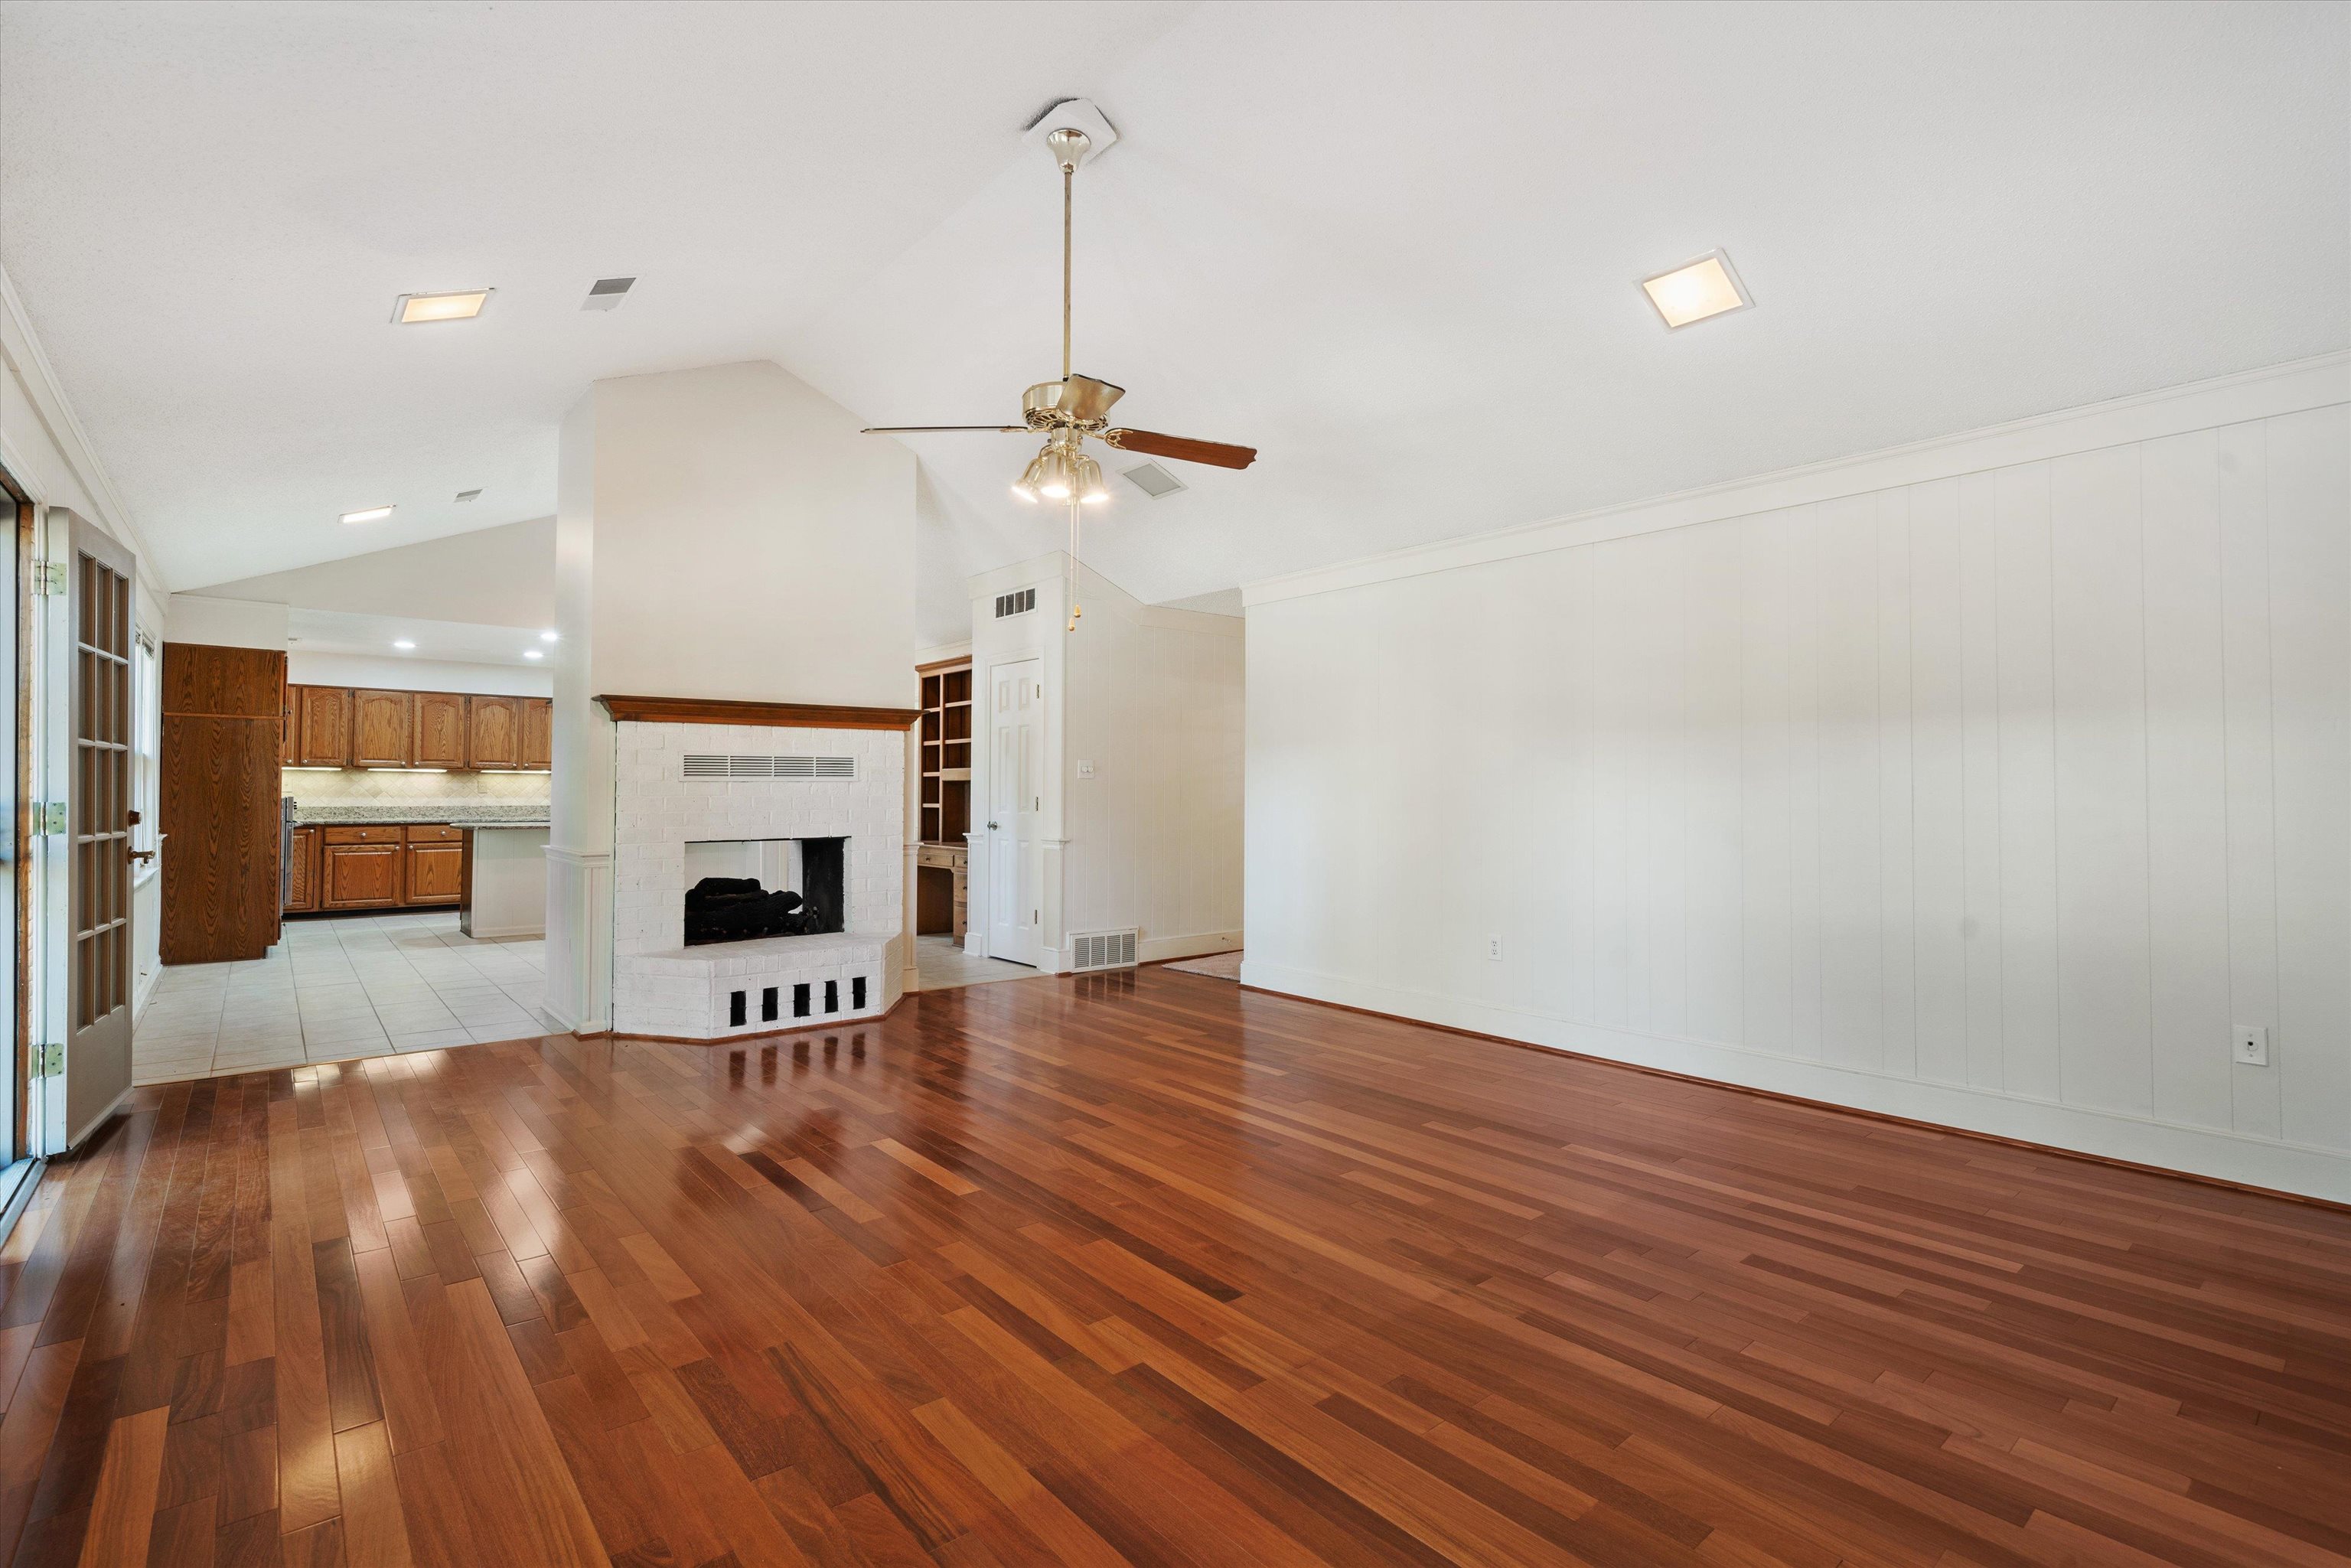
1015 784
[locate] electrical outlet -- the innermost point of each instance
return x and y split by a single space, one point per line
1085 768
2252 1047
1494 947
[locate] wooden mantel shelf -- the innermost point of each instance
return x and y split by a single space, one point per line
781 715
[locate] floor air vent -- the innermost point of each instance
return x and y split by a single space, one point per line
1101 950
1019 604
715 764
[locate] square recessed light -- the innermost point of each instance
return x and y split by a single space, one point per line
366 515
410 309
1696 292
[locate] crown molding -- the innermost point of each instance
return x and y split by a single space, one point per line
2299 385
20 345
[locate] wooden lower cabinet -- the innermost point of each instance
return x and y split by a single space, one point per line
435 869
302 873
359 876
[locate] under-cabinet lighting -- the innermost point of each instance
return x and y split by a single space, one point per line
366 515
310 768
1696 292
408 770
412 309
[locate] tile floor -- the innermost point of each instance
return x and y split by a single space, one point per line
944 966
340 987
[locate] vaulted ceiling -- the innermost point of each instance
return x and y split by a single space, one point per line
1395 247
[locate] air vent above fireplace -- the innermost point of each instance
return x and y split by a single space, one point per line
717 765
1019 604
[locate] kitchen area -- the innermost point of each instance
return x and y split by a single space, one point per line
349 870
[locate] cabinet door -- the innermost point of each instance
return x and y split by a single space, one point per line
440 730
494 732
323 735
359 876
302 872
437 874
537 732
289 753
381 722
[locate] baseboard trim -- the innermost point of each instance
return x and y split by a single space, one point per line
2294 1172
1160 949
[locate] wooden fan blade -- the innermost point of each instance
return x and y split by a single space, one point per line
926 429
1181 447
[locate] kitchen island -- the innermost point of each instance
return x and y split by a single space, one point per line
505 880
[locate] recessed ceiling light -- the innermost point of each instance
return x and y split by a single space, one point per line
550 636
403 644
411 309
469 494
366 515
532 653
1696 292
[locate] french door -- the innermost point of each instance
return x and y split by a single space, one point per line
1016 717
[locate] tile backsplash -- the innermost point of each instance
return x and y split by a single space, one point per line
356 785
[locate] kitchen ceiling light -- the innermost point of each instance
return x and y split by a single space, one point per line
414 309
1696 292
366 515
532 653
550 636
403 644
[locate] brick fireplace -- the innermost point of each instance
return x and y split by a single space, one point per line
681 788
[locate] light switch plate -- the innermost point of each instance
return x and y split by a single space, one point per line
1085 768
2252 1045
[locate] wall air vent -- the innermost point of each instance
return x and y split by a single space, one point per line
716 764
1019 604
1101 950
1152 480
607 293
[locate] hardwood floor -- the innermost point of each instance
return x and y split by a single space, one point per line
1141 1269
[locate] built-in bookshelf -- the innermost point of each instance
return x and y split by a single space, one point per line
947 752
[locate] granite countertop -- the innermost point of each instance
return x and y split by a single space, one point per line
456 813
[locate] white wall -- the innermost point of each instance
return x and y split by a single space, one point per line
502 576
224 623
1155 704
1990 782
418 674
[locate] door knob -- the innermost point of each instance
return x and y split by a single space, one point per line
991 826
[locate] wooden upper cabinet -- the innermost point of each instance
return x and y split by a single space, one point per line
439 731
537 732
380 724
322 727
494 732
289 753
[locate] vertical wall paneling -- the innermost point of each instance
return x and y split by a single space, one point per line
2186 781
2097 584
2310 654
2242 491
2000 795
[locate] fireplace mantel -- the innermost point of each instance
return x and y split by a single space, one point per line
780 716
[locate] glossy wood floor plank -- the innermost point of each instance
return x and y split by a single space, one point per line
1140 1269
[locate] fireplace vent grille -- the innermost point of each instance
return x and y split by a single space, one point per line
1019 604
717 765
1101 949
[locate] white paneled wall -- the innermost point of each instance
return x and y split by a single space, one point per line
1995 797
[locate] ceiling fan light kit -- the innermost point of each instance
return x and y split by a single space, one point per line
1066 411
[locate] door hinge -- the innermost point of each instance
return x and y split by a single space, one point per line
48 1062
50 578
53 817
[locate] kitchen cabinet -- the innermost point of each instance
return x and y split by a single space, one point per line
537 732
289 753
440 730
322 727
302 873
382 722
434 871
360 868
494 732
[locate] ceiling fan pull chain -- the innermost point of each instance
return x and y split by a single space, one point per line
1074 611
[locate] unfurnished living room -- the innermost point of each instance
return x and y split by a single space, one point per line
845 785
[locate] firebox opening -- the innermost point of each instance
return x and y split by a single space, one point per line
739 888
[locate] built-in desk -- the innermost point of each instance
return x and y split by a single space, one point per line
940 883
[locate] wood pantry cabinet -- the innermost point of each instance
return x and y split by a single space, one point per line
337 727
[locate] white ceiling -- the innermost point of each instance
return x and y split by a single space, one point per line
1395 247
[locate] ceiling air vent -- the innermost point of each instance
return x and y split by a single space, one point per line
1152 480
469 494
1101 949
716 764
606 293
1019 604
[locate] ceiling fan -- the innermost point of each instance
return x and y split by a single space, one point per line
1068 411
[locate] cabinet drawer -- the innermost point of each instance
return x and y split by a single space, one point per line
940 855
434 833
388 835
